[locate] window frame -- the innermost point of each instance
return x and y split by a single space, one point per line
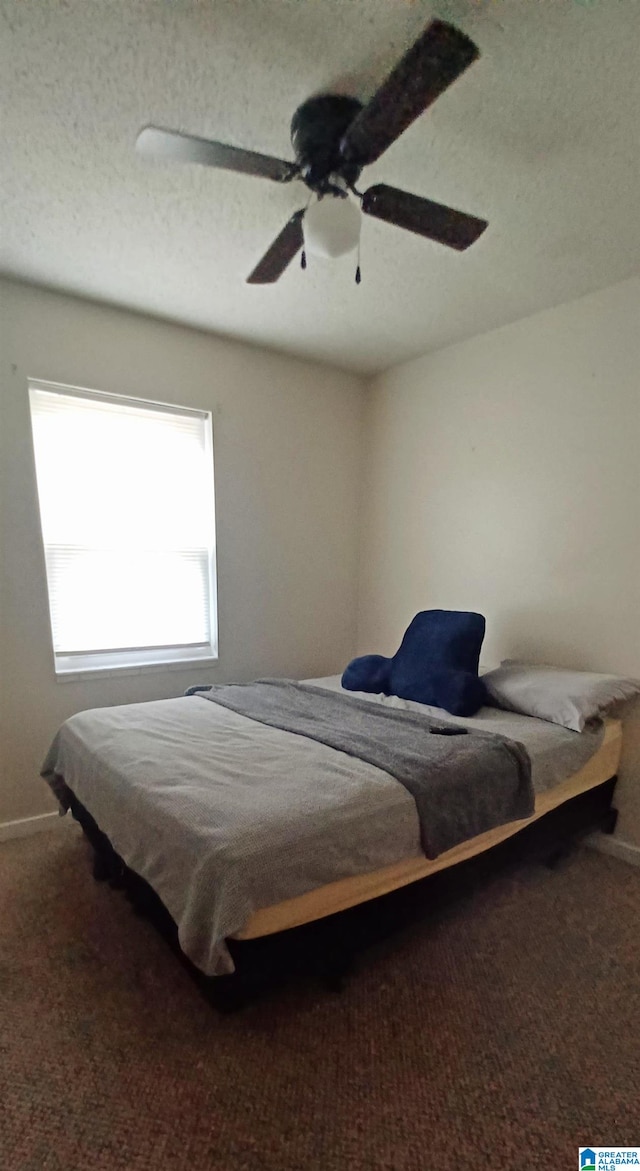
133 660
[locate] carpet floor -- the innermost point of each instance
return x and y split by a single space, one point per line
504 1033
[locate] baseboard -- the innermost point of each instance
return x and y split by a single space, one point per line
25 826
610 844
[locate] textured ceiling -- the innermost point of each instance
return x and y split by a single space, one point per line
540 137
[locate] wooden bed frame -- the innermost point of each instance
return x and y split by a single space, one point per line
320 933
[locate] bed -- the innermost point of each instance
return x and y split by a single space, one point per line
152 784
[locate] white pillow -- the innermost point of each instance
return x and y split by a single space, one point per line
569 698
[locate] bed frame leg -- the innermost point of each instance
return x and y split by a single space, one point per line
107 867
100 868
336 968
334 981
558 855
609 821
227 994
599 814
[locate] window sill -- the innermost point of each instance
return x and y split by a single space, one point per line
87 673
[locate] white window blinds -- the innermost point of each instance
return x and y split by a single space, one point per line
127 514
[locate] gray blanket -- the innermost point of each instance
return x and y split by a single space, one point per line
462 785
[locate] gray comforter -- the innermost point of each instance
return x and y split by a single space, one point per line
463 785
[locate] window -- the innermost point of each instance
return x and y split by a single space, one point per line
128 526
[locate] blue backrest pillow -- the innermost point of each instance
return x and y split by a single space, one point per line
436 664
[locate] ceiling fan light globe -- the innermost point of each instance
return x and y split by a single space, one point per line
332 227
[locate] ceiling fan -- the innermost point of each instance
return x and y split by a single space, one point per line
334 137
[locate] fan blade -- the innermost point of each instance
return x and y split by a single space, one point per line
447 226
281 252
170 146
436 59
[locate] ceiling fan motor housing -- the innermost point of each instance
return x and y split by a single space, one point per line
317 129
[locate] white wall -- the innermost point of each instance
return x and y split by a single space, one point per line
503 475
287 437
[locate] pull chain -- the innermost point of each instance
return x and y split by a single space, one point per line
303 254
358 273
